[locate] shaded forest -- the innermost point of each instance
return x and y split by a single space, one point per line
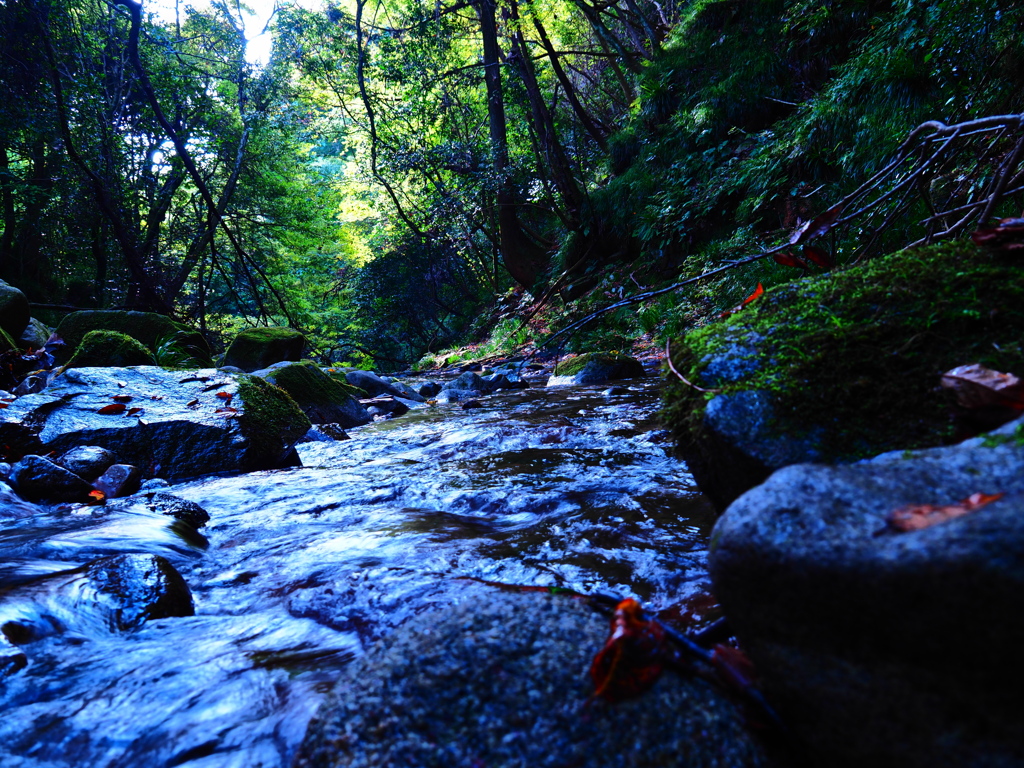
407 177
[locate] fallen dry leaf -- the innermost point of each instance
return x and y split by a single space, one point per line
817 226
112 409
916 517
976 386
1007 235
632 658
752 297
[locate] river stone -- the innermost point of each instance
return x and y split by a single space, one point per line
842 366
503 681
184 429
119 593
446 396
148 328
14 311
36 478
35 335
595 368
181 509
118 480
12 658
429 389
385 406
87 461
467 382
878 647
256 348
374 385
321 398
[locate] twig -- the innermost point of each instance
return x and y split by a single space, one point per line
671 367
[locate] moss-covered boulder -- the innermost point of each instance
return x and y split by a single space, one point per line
842 366
148 328
595 368
322 398
256 348
35 335
109 349
14 311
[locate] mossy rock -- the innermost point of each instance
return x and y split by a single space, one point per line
272 421
148 328
323 399
595 368
109 349
14 311
842 366
256 348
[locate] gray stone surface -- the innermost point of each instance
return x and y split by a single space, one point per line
87 461
181 430
502 680
881 647
374 385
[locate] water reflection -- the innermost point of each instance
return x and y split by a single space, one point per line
299 569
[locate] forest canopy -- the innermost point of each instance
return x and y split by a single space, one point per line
400 176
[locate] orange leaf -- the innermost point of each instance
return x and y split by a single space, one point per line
190 403
819 256
788 259
916 517
632 657
755 295
123 398
976 386
113 408
133 411
97 497
224 395
226 411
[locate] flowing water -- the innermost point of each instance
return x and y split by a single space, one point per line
299 569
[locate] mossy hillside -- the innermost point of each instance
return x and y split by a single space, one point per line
109 349
148 328
272 421
854 357
256 348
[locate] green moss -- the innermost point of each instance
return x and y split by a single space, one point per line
6 342
859 352
339 377
147 328
271 418
109 349
574 365
310 386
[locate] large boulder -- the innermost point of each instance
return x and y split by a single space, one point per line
148 328
256 348
321 398
501 680
881 647
14 311
842 366
109 348
374 385
172 424
595 368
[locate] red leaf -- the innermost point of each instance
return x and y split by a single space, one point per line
111 409
96 497
632 658
755 295
227 411
789 260
1007 235
916 517
123 398
224 396
190 403
819 256
133 411
818 226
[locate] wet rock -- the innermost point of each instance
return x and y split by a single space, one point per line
14 311
153 484
256 348
11 658
5 470
35 335
178 508
502 681
148 328
118 594
840 367
36 478
87 461
446 396
30 385
498 381
385 406
429 389
375 386
118 480
595 368
467 382
320 397
334 431
471 404
109 348
879 647
189 422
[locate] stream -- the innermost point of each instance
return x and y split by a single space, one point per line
302 568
